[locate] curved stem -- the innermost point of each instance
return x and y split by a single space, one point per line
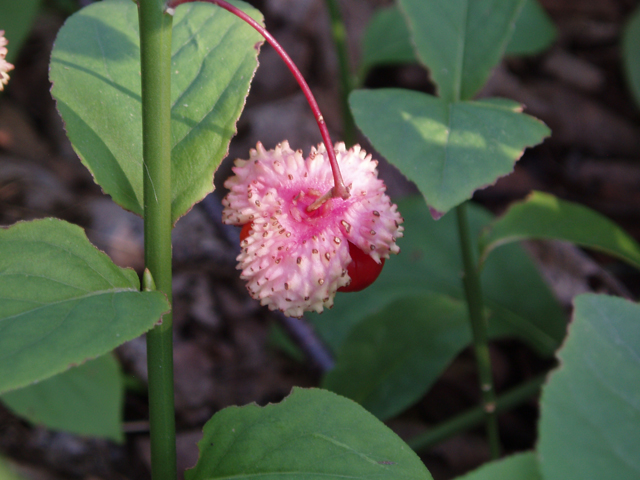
475 416
339 190
473 292
155 59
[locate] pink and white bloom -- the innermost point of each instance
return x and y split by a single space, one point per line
5 66
295 260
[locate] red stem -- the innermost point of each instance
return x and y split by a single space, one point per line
339 189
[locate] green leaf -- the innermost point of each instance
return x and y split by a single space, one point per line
523 466
63 301
311 434
17 20
95 71
543 216
448 150
460 41
534 31
520 302
85 400
391 358
631 53
386 40
590 409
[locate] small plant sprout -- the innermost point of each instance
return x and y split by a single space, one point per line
299 244
5 66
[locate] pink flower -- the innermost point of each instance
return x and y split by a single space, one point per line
4 65
295 260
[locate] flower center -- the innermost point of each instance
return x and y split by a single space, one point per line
309 206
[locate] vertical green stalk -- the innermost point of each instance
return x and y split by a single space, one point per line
155 58
473 292
339 33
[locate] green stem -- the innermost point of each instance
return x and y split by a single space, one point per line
473 292
155 58
475 416
339 33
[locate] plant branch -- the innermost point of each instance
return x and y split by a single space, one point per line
340 190
475 416
473 292
155 59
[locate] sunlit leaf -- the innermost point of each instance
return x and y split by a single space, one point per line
448 150
95 71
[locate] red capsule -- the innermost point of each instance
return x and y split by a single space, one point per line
363 270
244 233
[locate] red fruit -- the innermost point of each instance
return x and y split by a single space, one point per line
363 270
244 233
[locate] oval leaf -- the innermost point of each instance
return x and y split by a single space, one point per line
85 400
590 409
544 216
448 150
429 261
390 359
460 41
63 301
523 466
310 434
95 71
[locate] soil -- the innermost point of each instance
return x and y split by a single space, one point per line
223 355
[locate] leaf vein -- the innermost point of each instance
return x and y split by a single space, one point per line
193 34
200 68
211 110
